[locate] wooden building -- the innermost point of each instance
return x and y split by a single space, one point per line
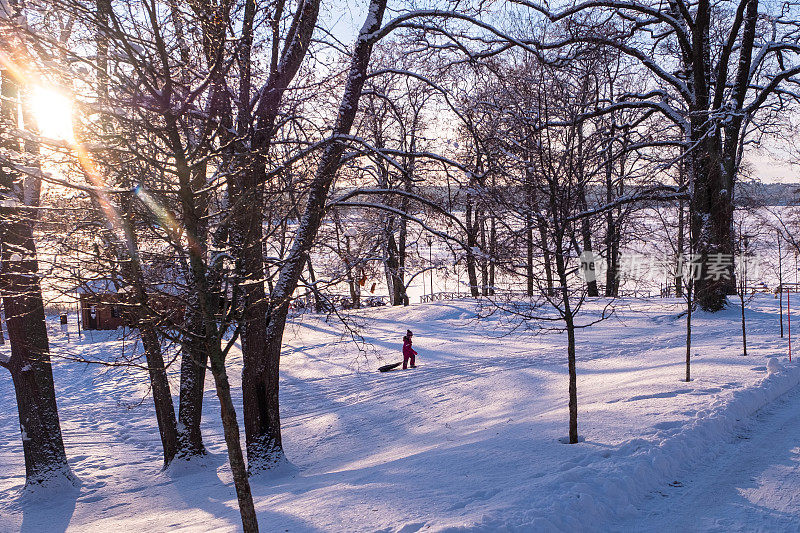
101 305
104 306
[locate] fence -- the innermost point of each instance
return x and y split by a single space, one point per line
332 302
440 296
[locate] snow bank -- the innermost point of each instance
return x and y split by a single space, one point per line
593 497
773 366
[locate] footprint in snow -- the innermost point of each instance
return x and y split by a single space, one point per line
411 528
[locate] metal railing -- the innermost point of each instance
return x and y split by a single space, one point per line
332 302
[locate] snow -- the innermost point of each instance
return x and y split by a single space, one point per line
773 366
468 440
750 486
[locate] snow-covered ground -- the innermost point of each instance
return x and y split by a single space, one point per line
752 485
470 439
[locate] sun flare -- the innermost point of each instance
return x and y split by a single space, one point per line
53 113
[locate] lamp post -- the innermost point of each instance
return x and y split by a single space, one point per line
458 279
430 260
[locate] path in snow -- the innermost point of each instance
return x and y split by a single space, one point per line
753 485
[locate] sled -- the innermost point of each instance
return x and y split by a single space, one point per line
386 368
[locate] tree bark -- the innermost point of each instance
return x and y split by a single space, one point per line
145 321
472 242
569 321
679 255
246 189
312 277
529 253
262 414
29 363
484 262
194 358
230 428
713 171
689 306
162 397
546 258
613 231
393 275
492 253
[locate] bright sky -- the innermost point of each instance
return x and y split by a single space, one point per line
769 163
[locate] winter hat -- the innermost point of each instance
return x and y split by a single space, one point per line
409 333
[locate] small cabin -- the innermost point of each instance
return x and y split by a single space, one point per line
105 306
101 304
101 311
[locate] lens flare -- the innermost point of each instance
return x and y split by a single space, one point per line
164 217
53 113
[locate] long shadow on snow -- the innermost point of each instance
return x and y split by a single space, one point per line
195 487
301 398
52 514
449 477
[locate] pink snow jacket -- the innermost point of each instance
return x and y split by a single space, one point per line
408 351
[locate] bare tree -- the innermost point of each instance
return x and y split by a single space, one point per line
712 98
29 360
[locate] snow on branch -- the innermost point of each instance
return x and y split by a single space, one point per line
660 193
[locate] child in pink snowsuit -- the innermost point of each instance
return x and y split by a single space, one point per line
408 351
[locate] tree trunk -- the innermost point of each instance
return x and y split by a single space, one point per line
780 281
689 305
402 239
144 319
262 416
259 370
712 200
230 428
731 144
192 385
569 321
712 218
546 258
492 253
472 274
255 358
484 260
612 225
529 253
355 292
612 253
742 291
573 377
162 397
744 327
29 363
394 276
318 301
679 254
194 355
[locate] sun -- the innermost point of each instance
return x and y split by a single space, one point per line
53 113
